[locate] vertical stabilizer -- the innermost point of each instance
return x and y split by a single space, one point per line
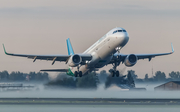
69 47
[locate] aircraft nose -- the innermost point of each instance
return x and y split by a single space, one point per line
124 38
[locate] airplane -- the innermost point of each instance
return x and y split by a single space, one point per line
103 52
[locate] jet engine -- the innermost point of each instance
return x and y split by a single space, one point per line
130 60
74 60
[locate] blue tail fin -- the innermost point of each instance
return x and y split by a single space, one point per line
69 47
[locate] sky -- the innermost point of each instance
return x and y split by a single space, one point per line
42 27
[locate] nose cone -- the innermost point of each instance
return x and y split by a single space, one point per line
124 38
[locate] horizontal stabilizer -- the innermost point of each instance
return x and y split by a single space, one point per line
55 70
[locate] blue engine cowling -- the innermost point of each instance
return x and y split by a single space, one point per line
74 60
130 60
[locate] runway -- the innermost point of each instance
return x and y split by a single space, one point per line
87 101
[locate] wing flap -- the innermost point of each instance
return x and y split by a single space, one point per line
47 57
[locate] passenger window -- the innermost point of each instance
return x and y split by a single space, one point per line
124 30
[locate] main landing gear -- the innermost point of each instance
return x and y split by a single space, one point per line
115 73
78 73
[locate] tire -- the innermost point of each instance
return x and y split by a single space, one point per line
117 73
113 73
80 73
76 74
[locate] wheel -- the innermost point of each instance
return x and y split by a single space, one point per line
80 73
117 73
113 73
76 74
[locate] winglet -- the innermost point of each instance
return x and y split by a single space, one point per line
5 50
172 48
69 47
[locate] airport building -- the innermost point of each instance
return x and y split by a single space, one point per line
14 87
169 86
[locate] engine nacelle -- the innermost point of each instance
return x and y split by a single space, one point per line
74 60
130 60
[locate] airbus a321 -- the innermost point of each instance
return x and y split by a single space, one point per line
105 51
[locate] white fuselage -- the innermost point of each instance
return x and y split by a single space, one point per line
102 51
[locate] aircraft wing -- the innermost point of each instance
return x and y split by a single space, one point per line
140 56
85 57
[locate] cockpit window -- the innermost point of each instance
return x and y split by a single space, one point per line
119 31
114 31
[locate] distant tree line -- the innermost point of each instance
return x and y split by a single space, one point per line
161 77
90 81
19 76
